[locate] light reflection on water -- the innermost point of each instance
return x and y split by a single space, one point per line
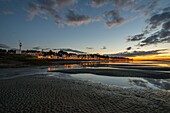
120 63
118 81
65 66
154 63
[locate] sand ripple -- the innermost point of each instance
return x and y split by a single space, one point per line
52 95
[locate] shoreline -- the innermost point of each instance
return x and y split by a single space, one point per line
49 94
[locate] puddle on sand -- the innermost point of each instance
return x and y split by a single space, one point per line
126 82
117 81
129 82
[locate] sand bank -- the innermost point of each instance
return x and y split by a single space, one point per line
38 94
135 66
118 72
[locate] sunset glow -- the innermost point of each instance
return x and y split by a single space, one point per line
151 57
118 28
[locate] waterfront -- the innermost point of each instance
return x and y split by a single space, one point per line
126 82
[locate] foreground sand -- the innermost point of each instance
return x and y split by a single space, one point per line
42 94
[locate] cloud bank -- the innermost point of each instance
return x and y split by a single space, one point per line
52 9
89 48
56 9
75 19
4 46
72 50
138 53
113 18
157 31
99 3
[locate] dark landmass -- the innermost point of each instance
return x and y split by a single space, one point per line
14 60
10 59
21 60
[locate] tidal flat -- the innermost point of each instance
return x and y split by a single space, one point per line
74 88
41 93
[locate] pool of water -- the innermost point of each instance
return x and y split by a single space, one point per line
129 82
126 82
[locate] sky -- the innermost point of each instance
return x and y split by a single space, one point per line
113 27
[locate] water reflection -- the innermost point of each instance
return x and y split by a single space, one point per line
138 82
154 63
129 82
65 66
84 64
160 83
159 66
119 81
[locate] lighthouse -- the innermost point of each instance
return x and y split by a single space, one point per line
20 47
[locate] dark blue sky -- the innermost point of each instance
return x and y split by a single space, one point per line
95 26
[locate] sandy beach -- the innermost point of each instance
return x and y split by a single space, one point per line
85 56
39 93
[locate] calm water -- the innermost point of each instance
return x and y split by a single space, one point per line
119 81
116 81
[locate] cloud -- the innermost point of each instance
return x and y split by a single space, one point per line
123 3
129 48
43 8
89 47
138 53
54 4
55 9
4 46
139 8
152 5
167 9
166 25
71 50
104 47
48 8
37 48
157 19
145 7
61 3
62 49
113 18
137 37
99 3
33 10
157 31
8 12
75 19
162 36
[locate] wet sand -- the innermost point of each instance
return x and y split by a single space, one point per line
118 72
150 67
39 93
